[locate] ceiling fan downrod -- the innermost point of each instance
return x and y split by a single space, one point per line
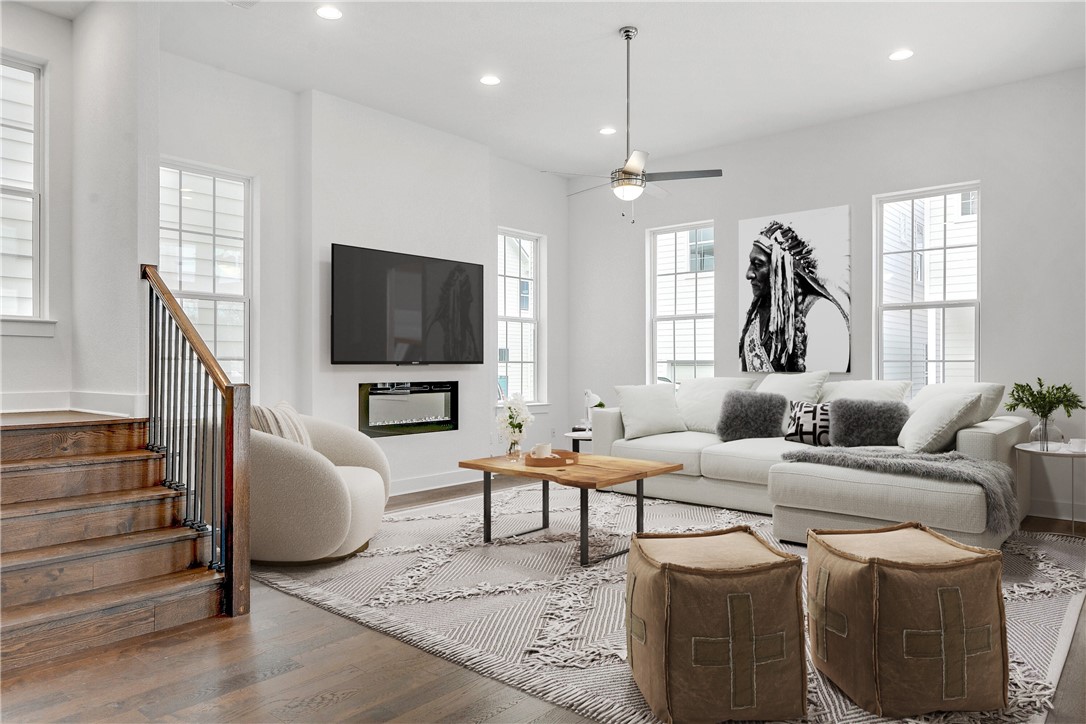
628 32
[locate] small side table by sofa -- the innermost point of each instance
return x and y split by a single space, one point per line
579 436
1057 450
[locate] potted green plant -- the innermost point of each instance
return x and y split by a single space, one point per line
1042 402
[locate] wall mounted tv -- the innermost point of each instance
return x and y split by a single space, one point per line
392 308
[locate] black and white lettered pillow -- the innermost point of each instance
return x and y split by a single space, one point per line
809 423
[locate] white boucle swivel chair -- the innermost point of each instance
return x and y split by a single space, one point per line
317 503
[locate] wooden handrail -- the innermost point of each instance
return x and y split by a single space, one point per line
218 376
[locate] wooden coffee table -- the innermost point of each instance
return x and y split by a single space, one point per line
591 472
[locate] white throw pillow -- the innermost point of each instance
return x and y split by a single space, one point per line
796 387
699 400
888 390
933 426
282 421
991 394
649 410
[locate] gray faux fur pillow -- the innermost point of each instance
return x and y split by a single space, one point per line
746 413
866 422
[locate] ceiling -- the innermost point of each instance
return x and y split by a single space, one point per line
704 73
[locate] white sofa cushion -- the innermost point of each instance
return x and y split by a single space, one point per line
649 410
673 447
699 400
747 461
991 394
933 427
892 390
796 387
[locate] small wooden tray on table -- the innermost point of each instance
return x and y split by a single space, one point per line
558 459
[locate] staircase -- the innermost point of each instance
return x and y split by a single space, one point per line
93 544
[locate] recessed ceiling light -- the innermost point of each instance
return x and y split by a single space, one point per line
607 130
490 80
903 54
329 12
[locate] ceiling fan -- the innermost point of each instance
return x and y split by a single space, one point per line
629 181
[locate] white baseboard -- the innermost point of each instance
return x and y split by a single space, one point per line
35 401
124 404
430 482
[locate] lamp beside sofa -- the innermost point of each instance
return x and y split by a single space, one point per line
654 422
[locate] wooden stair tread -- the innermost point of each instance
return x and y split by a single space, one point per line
41 420
17 560
95 601
62 461
95 501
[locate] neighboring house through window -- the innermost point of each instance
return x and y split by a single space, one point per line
682 281
204 253
927 292
21 167
518 315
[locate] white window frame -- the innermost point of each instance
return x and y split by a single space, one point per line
247 246
878 202
39 308
653 317
538 396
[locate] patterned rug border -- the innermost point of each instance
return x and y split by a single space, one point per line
574 698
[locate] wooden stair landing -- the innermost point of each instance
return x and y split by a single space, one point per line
94 550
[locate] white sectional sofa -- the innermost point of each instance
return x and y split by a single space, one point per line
748 474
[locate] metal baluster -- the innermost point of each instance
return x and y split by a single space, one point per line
216 488
202 477
167 420
150 368
186 462
160 361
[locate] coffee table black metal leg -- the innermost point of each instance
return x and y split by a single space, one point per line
584 526
640 505
546 504
486 507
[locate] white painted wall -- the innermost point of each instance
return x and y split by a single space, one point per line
1025 144
226 122
37 371
115 192
382 182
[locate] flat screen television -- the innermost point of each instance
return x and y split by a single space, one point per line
392 308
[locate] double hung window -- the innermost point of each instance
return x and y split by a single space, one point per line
204 252
927 298
21 167
518 315
682 294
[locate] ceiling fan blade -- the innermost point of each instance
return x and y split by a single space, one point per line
635 164
590 188
676 175
570 173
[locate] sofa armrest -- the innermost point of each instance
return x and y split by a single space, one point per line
300 508
345 446
606 429
995 439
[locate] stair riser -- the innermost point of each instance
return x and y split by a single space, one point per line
35 531
42 484
48 641
40 583
54 442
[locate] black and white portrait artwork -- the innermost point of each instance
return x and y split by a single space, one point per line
794 296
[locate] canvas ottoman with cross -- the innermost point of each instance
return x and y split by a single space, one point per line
906 621
714 626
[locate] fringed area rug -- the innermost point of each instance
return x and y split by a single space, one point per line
521 610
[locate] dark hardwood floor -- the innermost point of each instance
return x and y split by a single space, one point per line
290 661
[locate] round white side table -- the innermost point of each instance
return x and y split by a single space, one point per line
579 436
1055 450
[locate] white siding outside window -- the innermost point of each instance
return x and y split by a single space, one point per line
204 251
682 293
927 298
518 315
21 163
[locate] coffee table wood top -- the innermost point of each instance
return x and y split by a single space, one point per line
591 471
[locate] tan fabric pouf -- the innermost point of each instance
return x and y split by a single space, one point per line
714 626
907 621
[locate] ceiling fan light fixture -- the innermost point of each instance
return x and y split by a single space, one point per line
626 186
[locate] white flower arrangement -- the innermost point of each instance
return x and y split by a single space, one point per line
513 419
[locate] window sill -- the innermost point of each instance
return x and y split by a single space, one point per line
533 407
27 327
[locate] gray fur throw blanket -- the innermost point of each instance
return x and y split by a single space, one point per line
996 478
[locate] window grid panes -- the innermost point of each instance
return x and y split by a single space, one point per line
928 246
683 301
203 258
518 316
21 155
